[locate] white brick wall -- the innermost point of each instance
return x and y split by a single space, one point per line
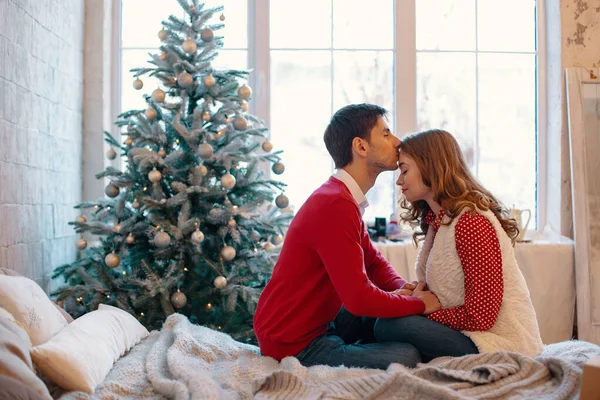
41 91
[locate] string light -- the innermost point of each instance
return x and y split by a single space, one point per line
209 306
185 269
142 314
124 273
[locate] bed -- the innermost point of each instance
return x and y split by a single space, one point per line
110 355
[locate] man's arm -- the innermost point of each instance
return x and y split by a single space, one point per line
339 244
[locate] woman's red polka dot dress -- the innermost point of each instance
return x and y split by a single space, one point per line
479 252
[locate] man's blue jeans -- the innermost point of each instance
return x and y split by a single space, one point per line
376 343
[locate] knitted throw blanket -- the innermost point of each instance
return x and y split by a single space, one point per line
186 361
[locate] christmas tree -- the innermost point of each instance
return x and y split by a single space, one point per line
190 224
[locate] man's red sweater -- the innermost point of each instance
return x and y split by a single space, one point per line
327 260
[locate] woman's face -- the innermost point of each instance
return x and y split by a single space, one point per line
411 181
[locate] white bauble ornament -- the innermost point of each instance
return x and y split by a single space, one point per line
111 190
197 236
162 239
162 35
231 223
228 253
112 260
130 239
81 244
185 80
154 176
276 239
135 204
209 81
203 170
240 123
228 181
244 92
158 95
162 152
205 151
278 168
267 146
282 201
138 84
81 219
178 299
205 116
255 235
111 154
220 282
207 35
189 46
150 113
244 106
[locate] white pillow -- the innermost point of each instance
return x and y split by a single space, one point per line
30 307
80 356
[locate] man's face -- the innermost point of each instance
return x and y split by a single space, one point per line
383 147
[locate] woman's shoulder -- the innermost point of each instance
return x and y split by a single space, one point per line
475 221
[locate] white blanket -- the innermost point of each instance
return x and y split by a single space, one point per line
186 361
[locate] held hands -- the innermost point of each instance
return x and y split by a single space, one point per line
419 289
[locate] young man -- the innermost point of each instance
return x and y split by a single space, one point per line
328 260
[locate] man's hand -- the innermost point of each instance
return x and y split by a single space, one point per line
432 304
403 292
410 285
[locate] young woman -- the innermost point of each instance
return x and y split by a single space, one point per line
467 257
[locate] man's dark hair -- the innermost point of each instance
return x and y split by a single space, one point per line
354 120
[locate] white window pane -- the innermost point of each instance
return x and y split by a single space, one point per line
231 59
445 25
381 197
300 24
506 25
363 77
446 96
507 140
132 99
300 112
360 26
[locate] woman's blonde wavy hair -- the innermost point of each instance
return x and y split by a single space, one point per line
444 169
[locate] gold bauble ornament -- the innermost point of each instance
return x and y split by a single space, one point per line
112 260
138 84
162 239
207 35
222 17
267 146
282 201
111 154
81 244
163 56
206 116
228 253
231 223
178 299
197 236
162 35
278 168
228 181
189 46
111 190
162 152
158 95
129 141
154 176
220 282
150 113
130 239
205 151
240 123
81 219
244 92
203 170
185 80
135 204
209 81
244 106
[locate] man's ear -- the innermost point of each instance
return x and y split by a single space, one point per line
360 147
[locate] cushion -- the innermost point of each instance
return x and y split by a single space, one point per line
12 272
31 307
15 361
80 356
16 390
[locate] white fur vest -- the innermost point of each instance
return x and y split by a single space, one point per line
438 263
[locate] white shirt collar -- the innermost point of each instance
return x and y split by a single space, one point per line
355 191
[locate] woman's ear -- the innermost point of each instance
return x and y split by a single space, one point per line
360 146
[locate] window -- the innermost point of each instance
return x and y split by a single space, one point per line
454 65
